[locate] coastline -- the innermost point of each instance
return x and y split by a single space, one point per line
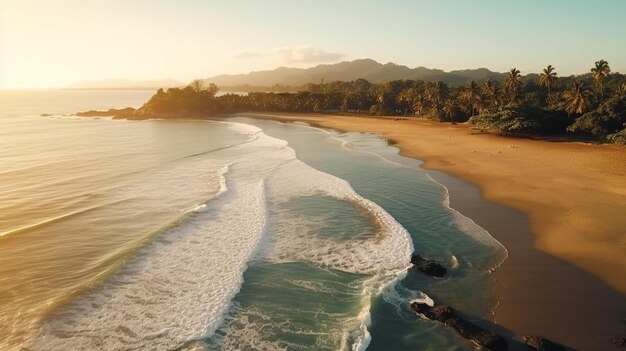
574 193
561 204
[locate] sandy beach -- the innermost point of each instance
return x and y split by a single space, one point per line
565 210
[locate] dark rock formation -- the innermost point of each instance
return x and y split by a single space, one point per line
113 112
541 344
468 330
428 267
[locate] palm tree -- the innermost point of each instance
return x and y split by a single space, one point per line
449 110
600 72
408 96
513 84
420 103
381 91
491 92
472 94
548 78
436 93
576 98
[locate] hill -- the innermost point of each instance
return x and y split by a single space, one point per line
369 69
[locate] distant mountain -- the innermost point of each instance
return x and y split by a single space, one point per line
351 70
121 84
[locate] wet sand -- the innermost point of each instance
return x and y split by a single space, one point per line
541 294
559 208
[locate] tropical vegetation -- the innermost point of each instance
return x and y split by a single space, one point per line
591 105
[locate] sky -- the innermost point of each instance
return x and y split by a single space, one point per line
52 43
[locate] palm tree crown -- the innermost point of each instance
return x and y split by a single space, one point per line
600 72
472 94
436 94
513 84
491 92
548 78
577 98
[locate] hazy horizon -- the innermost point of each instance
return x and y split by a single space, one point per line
50 47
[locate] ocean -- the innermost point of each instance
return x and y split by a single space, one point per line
233 234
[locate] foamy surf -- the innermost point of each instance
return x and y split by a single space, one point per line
471 228
383 256
176 289
464 223
180 286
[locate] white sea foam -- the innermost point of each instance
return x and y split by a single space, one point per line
423 298
179 287
176 289
385 256
465 224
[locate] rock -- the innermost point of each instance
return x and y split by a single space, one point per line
468 330
108 113
428 267
438 313
541 344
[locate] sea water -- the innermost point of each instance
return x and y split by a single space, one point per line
238 234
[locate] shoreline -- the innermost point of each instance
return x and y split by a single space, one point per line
532 191
518 190
540 294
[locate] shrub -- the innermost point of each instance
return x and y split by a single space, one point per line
515 119
608 119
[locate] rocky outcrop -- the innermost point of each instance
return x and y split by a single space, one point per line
468 330
541 344
112 112
428 267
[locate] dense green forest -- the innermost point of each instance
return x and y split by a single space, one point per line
591 106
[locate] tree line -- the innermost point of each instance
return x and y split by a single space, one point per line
591 105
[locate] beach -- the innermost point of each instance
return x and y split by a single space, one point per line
112 240
128 228
563 205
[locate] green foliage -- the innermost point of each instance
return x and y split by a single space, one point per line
608 119
520 119
179 101
376 110
505 120
536 103
438 115
618 138
195 100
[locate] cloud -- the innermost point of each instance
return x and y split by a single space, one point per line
292 54
248 54
306 54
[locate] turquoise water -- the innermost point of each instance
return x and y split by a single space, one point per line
239 234
418 203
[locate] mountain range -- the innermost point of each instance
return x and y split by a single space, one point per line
351 70
369 69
